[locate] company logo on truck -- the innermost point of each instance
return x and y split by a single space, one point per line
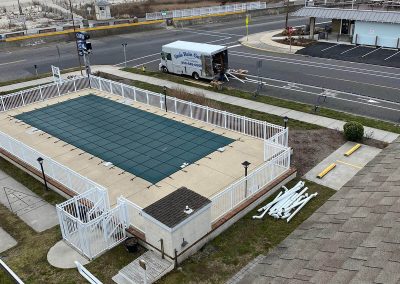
188 58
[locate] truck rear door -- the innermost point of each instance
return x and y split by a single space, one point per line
206 62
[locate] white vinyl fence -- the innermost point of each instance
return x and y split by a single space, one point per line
42 93
206 10
255 128
86 220
246 187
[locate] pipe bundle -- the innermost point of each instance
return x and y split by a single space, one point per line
287 203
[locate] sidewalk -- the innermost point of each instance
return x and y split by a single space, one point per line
377 134
263 41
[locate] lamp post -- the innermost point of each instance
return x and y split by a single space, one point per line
245 164
285 120
165 98
124 45
142 264
40 160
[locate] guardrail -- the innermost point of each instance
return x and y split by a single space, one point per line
206 10
9 271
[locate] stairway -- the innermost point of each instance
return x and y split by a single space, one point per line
133 272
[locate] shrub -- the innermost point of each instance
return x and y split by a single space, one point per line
353 131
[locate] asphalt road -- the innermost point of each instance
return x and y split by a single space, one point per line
352 87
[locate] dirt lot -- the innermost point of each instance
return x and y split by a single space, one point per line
312 146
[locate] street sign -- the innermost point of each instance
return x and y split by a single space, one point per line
56 74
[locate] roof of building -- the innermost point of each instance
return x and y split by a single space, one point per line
102 3
353 238
169 210
195 46
349 14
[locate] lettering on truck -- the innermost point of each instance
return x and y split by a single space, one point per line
188 58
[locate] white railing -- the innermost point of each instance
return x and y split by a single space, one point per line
54 170
133 213
42 93
222 119
206 10
243 189
86 274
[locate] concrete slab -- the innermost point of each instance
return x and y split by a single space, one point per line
6 241
29 207
63 256
346 167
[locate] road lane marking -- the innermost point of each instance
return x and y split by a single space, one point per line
315 64
351 81
150 55
146 63
12 62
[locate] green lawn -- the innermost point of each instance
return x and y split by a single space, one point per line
222 257
278 102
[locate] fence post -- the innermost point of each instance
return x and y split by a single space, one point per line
207 109
244 124
58 89
176 110
75 85
231 199
2 103
134 94
22 97
41 93
265 130
122 90
147 97
226 117
111 88
191 111
101 89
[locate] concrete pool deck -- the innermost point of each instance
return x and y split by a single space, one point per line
206 176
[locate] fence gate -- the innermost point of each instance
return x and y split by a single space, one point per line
89 225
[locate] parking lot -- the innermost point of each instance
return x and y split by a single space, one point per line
354 53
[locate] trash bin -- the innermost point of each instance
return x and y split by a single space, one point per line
131 245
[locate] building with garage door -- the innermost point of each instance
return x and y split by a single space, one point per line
375 23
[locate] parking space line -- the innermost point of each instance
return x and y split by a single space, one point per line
376 49
348 164
392 55
330 47
350 49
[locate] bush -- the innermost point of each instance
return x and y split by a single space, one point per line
353 131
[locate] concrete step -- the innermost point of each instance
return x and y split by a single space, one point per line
133 272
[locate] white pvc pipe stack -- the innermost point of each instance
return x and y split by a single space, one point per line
287 203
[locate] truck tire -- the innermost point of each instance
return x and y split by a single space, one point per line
196 76
164 69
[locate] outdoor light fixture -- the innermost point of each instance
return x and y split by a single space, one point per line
40 161
165 98
285 120
245 164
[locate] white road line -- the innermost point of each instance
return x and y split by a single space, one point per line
12 62
150 55
329 47
312 93
158 59
212 32
319 88
350 49
233 46
218 40
327 64
339 79
376 49
193 32
392 55
317 65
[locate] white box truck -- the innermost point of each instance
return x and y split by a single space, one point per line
198 60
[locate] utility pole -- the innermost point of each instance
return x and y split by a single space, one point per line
73 25
19 7
287 14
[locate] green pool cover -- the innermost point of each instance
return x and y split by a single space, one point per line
145 144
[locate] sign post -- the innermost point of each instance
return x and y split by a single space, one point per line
84 49
247 26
